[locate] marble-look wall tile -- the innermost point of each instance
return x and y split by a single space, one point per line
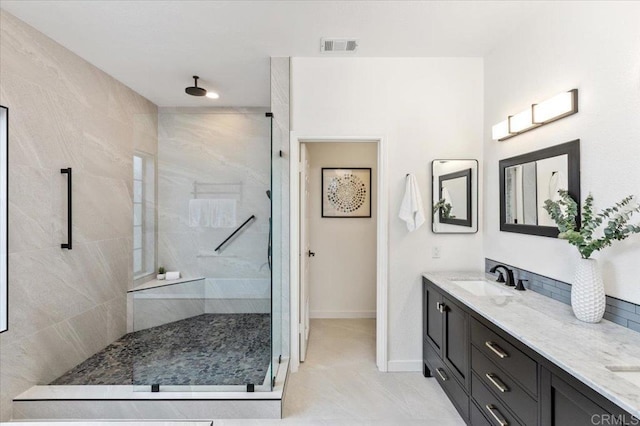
30 203
37 136
162 305
116 318
220 288
222 147
65 305
237 306
35 57
154 312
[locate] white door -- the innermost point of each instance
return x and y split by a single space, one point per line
305 251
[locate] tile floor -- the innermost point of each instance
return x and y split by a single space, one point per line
339 384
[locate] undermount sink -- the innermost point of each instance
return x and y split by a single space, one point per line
482 288
628 373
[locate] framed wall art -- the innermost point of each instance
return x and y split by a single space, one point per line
346 193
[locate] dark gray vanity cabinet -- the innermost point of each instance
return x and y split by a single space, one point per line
494 379
433 319
446 345
566 401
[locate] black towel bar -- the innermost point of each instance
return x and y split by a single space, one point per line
67 171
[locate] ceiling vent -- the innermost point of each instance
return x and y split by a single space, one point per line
338 45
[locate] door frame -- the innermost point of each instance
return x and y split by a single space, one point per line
382 246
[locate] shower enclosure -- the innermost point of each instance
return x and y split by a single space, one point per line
218 327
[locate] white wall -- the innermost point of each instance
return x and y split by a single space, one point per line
424 108
594 47
343 271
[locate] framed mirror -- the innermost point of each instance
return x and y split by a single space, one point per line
454 201
528 180
4 244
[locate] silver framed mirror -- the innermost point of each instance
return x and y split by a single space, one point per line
454 200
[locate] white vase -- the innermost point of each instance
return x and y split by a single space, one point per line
587 293
160 277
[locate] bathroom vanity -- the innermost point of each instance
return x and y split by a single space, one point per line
505 357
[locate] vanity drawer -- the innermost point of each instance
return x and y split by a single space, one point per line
505 388
476 416
506 356
444 377
494 409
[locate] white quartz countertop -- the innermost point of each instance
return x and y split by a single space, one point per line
549 327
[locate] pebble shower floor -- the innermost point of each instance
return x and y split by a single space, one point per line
209 349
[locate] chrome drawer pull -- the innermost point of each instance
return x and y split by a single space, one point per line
441 374
496 349
497 382
493 410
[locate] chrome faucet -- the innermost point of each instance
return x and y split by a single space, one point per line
510 279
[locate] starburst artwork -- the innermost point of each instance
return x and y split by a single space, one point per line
346 192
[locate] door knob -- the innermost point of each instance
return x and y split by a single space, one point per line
310 253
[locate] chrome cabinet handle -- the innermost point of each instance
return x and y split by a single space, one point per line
496 415
439 306
497 382
496 349
441 374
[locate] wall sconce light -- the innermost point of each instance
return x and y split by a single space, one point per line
555 108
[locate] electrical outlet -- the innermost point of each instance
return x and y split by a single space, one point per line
435 252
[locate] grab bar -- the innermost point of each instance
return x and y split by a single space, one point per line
235 232
67 246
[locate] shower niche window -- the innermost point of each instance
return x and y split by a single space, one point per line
143 215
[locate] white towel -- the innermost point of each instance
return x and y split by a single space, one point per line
223 213
199 213
446 196
557 182
411 210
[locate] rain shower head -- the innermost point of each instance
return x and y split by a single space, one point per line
195 90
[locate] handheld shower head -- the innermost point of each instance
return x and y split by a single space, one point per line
269 193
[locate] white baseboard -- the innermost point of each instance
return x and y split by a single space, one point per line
404 365
342 314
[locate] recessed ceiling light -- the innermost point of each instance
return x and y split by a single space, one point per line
212 95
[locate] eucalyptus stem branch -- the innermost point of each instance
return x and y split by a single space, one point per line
613 221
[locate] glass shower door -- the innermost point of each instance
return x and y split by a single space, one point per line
215 196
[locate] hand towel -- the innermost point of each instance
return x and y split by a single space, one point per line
199 213
557 182
411 210
446 196
223 213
